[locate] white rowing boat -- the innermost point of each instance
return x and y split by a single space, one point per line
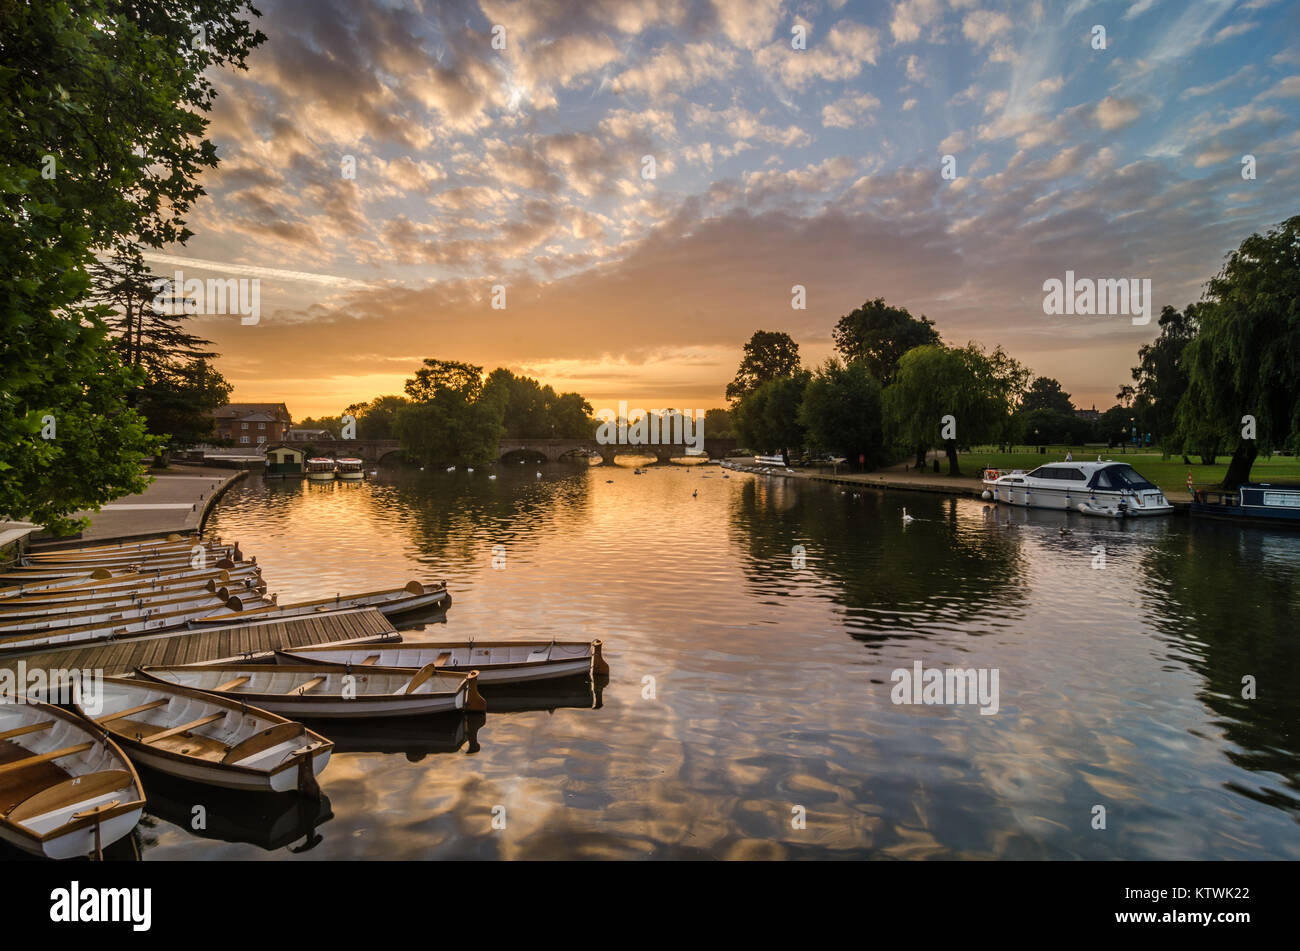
179 561
106 630
91 556
327 690
209 738
497 662
24 608
66 790
102 580
199 600
394 601
125 546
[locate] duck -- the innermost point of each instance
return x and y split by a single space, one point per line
907 519
695 494
1064 531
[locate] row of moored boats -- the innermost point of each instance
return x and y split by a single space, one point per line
68 782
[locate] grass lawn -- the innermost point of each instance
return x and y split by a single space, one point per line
1170 474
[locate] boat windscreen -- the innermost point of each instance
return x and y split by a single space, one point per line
1120 477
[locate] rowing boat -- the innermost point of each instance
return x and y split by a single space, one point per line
181 561
327 690
390 602
24 608
105 631
120 546
497 662
209 738
83 555
103 580
65 789
200 600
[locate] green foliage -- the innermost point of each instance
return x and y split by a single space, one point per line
534 411
769 355
1045 393
841 412
767 419
178 400
377 418
935 381
1161 376
107 99
878 335
452 416
445 376
1245 360
717 424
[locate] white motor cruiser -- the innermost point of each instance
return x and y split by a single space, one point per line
1107 488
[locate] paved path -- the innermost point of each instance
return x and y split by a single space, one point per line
175 501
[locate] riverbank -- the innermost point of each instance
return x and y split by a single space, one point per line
902 478
175 501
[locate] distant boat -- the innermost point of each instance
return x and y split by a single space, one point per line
209 738
1094 488
1262 502
66 790
351 470
770 461
320 469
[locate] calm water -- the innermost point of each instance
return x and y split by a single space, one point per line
1119 687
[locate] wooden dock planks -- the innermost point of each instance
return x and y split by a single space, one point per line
188 647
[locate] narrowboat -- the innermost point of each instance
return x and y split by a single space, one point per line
1263 502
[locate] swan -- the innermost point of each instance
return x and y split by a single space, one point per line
907 519
451 468
539 475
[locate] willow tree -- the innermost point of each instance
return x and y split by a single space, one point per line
102 139
945 396
1243 367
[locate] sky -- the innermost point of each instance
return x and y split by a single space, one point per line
648 180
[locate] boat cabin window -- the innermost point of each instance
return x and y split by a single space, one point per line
1067 475
1119 477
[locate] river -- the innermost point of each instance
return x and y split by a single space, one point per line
749 710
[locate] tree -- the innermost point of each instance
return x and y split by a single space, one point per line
769 355
452 417
377 418
331 424
1245 359
717 424
1046 393
178 401
102 122
767 419
437 376
841 412
878 335
934 383
534 411
1161 376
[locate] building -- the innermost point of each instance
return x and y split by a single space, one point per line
252 424
1091 415
285 461
308 435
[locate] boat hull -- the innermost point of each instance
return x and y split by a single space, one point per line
282 780
1100 503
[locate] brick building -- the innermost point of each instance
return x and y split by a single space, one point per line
249 424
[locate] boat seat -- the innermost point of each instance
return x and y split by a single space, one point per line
151 705
37 759
304 687
72 791
184 727
231 684
24 730
442 659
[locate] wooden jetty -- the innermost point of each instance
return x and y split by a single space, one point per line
363 625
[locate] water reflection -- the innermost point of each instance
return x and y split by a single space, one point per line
744 686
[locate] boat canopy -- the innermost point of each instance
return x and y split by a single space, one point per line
1119 476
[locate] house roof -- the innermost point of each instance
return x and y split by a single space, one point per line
276 411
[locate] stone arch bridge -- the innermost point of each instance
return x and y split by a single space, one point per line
374 451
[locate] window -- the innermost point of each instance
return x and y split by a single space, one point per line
261 439
261 425
1067 475
243 439
243 426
